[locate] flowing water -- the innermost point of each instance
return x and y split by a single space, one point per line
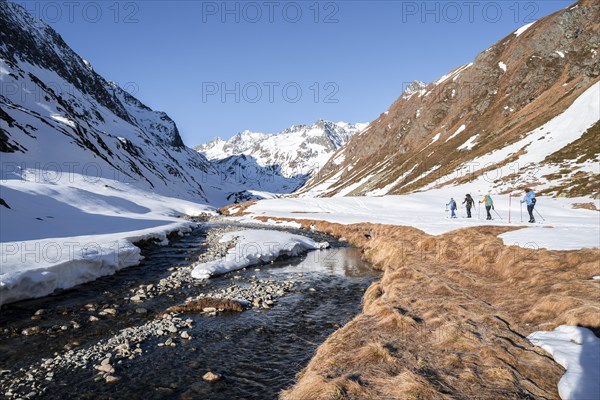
257 352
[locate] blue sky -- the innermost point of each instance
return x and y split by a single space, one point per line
218 68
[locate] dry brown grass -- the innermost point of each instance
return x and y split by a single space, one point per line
450 316
587 206
236 209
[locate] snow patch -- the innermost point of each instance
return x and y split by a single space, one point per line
469 144
458 132
3 71
435 138
63 120
577 349
522 29
454 74
502 66
253 247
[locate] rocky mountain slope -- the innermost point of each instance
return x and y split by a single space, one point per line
58 117
277 163
524 112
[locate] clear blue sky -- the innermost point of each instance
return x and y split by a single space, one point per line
350 59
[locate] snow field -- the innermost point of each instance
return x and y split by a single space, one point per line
57 235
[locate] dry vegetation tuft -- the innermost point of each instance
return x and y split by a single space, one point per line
197 306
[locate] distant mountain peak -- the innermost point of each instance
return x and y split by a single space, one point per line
281 162
412 88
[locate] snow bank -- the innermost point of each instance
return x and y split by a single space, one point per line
73 229
255 247
37 268
554 238
578 351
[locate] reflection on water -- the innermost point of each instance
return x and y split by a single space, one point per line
337 261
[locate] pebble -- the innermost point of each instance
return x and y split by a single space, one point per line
164 391
111 379
93 318
141 310
211 377
172 329
185 335
30 331
105 368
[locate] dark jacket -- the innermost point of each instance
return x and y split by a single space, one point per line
469 201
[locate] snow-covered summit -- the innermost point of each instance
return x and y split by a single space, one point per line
305 145
281 162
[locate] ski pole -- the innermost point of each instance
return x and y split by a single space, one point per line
509 206
538 213
497 214
521 212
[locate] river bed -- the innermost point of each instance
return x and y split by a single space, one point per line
257 352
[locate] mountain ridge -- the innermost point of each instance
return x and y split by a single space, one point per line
279 163
511 89
58 112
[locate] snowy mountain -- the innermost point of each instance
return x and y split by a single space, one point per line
277 163
525 112
59 118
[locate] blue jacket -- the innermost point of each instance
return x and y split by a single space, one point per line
452 205
529 198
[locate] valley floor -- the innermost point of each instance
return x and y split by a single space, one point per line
456 312
463 309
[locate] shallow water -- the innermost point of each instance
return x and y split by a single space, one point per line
258 353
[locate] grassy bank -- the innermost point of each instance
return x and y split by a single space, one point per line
450 316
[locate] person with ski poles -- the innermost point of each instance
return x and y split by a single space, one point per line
489 205
452 205
529 198
469 204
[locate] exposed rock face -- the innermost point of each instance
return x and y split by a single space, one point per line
510 89
55 110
